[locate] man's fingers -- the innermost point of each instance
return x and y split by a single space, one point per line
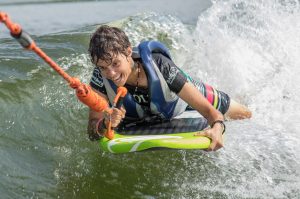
215 143
212 146
201 133
116 116
123 112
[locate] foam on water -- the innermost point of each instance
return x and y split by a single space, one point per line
251 51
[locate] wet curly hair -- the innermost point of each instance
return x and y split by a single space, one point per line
107 42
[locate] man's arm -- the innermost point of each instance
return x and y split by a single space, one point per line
190 94
94 118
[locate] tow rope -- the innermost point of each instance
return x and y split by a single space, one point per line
83 91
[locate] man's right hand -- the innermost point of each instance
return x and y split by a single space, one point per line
116 116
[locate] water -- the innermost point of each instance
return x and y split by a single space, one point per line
248 49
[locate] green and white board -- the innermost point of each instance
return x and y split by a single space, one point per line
175 134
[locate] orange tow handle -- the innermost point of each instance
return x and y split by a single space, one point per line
84 92
118 102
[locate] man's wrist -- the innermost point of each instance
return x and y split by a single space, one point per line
94 130
220 122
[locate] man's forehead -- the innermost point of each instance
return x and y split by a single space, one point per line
105 62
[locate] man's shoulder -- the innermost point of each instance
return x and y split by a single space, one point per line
158 55
97 78
161 60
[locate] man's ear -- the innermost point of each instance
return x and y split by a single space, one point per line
129 51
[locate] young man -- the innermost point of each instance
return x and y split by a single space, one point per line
157 88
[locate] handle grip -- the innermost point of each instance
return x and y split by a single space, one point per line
118 102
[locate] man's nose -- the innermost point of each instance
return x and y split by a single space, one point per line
110 72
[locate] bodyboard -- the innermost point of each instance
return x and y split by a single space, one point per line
175 134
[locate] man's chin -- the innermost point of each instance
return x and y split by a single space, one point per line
119 84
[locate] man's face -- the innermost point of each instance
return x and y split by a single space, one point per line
117 70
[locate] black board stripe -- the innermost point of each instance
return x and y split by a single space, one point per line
178 125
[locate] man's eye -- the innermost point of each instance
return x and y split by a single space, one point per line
116 64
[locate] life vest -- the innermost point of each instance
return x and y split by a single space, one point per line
163 102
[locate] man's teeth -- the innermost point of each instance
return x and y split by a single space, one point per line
117 79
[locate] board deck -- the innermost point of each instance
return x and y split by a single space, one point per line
175 134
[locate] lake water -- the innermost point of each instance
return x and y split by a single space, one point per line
249 49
